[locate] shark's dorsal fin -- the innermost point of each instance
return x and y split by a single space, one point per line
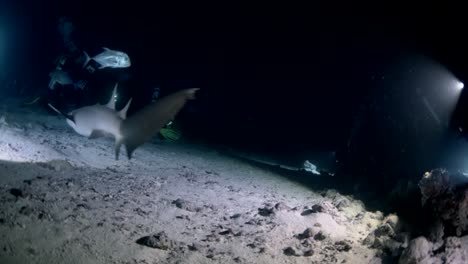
123 113
104 48
113 99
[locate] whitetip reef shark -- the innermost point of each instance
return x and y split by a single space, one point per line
103 120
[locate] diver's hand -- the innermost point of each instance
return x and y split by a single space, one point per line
81 84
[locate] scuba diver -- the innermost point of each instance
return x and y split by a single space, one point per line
67 81
77 77
80 79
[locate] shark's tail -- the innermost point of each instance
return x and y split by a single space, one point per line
146 123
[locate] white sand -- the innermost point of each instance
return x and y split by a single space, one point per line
77 204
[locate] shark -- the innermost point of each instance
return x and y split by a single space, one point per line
105 121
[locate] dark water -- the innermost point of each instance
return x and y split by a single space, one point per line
290 88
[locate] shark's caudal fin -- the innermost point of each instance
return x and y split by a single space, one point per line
69 117
146 123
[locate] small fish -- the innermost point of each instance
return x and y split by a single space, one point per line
61 77
109 59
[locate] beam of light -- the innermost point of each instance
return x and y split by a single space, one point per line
5 46
454 152
15 146
2 46
446 99
431 110
455 93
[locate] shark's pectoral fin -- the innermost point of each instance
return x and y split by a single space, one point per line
71 118
130 149
118 144
97 134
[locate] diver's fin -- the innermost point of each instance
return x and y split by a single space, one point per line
97 134
32 101
69 117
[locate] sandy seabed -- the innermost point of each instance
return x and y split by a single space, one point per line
65 199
